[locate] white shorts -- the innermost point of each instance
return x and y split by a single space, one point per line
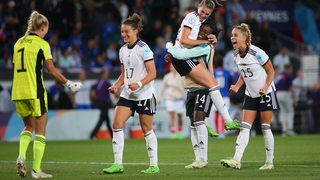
175 105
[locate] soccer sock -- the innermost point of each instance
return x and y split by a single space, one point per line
152 147
203 139
39 145
242 141
219 103
194 142
118 145
268 141
179 128
25 138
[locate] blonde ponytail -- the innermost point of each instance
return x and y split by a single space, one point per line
245 30
35 22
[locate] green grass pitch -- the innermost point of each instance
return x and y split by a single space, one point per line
296 157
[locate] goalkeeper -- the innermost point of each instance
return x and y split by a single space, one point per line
31 52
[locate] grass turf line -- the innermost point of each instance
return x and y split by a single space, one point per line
295 158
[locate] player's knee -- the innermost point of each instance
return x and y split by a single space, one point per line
117 125
265 126
198 122
29 128
245 125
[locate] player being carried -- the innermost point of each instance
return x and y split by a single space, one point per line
198 99
187 37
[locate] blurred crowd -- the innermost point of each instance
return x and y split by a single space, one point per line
84 36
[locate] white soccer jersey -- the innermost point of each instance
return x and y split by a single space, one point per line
252 71
133 60
193 22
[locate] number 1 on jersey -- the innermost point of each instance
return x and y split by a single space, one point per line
22 61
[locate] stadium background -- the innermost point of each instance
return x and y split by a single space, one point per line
90 28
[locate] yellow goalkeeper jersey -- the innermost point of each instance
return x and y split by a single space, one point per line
28 57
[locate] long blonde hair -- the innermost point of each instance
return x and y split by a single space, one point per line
245 30
35 22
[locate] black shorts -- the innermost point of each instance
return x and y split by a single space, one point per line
267 102
146 106
184 67
198 101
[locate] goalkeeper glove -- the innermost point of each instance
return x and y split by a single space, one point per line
73 86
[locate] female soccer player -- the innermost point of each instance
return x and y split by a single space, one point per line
198 99
186 38
257 74
137 74
29 93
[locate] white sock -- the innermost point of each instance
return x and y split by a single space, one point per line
118 145
268 141
195 143
203 139
152 147
220 104
242 141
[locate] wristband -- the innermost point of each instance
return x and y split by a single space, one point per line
140 83
68 83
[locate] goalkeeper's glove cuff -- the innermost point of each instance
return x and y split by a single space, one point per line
68 84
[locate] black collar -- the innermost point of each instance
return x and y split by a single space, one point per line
33 34
245 53
130 47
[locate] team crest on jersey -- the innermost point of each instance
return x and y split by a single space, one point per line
146 50
192 20
259 57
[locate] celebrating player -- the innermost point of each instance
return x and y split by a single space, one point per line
198 99
257 74
137 74
29 93
186 38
